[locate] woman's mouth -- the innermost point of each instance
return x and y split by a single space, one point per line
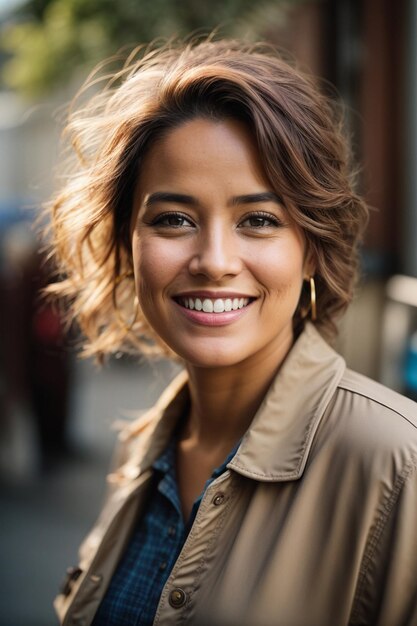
201 309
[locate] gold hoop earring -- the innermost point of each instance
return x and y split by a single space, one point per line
313 300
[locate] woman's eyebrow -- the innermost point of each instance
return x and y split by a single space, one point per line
164 196
254 198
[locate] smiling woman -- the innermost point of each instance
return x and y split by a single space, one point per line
212 217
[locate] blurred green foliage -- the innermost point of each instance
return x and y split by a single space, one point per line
49 39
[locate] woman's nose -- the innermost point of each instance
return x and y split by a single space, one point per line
216 255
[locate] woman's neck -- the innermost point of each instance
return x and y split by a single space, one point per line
225 400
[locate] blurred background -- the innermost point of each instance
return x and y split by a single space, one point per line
56 412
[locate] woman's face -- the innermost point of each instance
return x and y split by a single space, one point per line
218 265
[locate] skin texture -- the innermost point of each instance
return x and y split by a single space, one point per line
212 241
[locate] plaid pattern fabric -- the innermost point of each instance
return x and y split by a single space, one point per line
134 591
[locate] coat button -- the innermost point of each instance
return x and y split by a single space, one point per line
177 598
218 499
172 531
73 573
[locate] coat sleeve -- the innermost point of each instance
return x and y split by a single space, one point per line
388 589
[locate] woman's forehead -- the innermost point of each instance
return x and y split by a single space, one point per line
201 151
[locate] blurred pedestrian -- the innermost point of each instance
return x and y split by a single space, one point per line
35 364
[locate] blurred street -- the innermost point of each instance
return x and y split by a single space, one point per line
45 516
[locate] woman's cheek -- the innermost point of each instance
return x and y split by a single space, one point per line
278 269
157 263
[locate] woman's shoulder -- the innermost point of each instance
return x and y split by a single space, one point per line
373 418
377 398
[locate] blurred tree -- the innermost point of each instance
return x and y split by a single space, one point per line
49 39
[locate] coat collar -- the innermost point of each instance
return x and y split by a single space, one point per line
277 444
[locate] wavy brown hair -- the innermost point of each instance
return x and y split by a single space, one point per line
302 147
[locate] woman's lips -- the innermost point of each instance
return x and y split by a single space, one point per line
213 310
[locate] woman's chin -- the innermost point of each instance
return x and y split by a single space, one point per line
217 355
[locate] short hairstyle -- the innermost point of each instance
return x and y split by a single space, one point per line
301 145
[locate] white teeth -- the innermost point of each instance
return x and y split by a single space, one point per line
208 306
219 305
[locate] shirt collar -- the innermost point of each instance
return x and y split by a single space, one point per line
165 463
277 444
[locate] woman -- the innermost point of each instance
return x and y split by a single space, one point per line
212 217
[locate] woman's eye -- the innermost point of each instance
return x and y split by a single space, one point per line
174 220
260 221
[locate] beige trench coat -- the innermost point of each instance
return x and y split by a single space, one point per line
314 523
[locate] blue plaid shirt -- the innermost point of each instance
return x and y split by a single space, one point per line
134 591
